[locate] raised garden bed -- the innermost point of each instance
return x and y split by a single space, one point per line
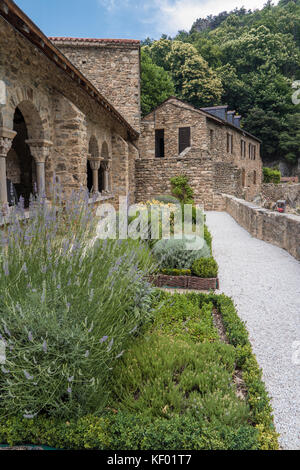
185 282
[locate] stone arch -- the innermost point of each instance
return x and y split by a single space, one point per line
93 147
105 151
35 108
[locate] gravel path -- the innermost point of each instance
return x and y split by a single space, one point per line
264 282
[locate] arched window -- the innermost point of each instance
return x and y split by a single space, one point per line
254 177
93 147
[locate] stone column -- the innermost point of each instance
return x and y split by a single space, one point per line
6 139
95 163
40 149
107 176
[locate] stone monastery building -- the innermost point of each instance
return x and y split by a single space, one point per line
70 111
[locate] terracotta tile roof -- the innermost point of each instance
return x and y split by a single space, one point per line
98 40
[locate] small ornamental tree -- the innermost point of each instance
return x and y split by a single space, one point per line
182 190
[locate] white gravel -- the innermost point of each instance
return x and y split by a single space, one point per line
264 282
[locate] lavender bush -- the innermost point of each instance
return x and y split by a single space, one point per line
69 307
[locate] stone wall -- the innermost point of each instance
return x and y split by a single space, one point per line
282 230
207 178
113 66
289 192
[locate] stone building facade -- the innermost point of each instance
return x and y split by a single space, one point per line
113 66
211 149
54 123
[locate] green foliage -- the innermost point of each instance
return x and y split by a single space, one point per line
168 376
156 84
181 189
182 317
176 272
211 416
128 432
271 175
68 307
174 253
205 267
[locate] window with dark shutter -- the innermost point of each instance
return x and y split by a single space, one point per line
184 138
159 143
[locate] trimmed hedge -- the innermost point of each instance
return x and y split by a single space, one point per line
205 268
127 432
176 272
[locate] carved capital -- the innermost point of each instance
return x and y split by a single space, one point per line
6 139
95 162
39 149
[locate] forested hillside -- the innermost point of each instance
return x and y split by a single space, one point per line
248 60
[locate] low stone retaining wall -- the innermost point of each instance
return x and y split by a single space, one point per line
282 230
185 282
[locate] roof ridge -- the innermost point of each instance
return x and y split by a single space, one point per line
112 40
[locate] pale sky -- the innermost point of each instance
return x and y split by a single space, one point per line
134 19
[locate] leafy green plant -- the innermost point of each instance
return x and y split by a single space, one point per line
176 272
271 175
174 253
181 189
205 267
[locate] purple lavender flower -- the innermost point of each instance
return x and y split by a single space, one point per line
45 347
29 416
69 390
5 269
102 340
70 379
120 355
110 345
24 268
27 375
87 353
7 331
30 337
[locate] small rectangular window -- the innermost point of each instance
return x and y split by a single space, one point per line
211 137
252 151
159 143
184 138
243 148
229 143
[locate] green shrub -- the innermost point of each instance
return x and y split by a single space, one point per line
173 253
69 306
166 377
181 189
208 237
205 268
271 175
176 272
178 316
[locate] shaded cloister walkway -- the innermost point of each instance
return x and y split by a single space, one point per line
264 282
